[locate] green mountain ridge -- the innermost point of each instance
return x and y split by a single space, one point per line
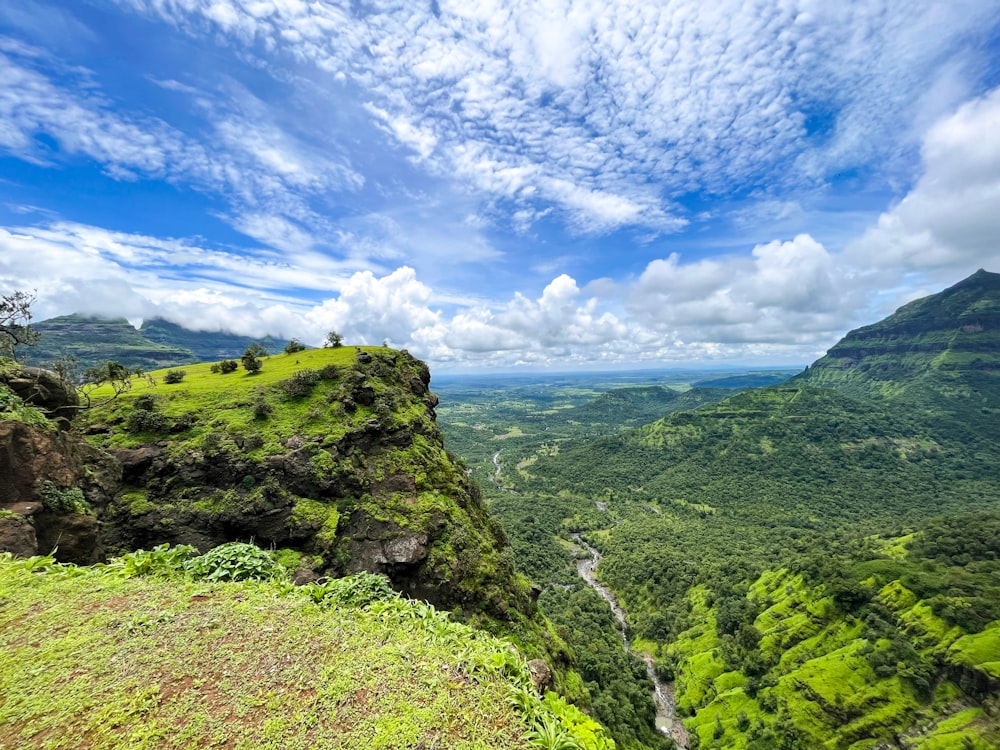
156 344
774 550
947 344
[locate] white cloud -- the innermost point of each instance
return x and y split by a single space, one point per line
949 223
371 309
607 111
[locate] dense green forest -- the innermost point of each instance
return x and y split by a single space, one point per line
813 563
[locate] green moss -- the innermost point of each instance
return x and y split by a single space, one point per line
137 502
979 650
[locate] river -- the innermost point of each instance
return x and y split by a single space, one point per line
663 692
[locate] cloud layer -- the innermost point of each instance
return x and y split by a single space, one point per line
558 183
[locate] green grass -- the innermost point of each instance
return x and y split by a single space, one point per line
224 403
92 659
980 650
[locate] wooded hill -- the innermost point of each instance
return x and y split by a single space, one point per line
815 561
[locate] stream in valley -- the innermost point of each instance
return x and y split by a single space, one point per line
663 693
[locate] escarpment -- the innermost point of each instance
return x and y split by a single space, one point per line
333 454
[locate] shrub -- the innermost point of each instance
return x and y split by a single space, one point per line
235 561
228 365
352 591
141 420
329 372
300 384
174 376
261 409
162 560
145 402
251 358
294 346
64 501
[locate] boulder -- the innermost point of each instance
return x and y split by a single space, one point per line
17 535
46 390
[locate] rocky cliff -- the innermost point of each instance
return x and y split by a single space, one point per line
332 455
940 341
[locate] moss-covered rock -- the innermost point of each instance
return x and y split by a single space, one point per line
334 453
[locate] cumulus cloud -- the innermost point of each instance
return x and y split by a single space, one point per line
949 222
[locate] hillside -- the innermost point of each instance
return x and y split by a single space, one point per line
140 653
782 554
941 352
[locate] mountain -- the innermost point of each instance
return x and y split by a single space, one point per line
944 346
208 346
746 380
96 340
156 344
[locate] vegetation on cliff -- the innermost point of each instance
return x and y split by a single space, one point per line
332 453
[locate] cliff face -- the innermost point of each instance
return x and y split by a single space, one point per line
932 343
49 480
333 454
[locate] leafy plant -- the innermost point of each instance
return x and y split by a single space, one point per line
170 377
69 500
162 560
352 591
235 561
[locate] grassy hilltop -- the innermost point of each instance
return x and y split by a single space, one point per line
332 454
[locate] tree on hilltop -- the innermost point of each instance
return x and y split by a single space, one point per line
333 339
294 346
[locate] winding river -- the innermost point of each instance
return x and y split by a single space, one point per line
663 693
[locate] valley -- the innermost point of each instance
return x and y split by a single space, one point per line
747 559
760 542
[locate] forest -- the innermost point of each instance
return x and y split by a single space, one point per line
810 568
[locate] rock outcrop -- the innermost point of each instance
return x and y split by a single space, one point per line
38 469
343 463
47 391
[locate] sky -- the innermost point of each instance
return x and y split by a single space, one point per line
554 184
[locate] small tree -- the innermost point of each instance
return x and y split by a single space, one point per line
294 346
115 374
251 358
174 376
15 322
333 339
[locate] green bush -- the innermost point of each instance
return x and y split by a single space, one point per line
235 561
162 560
173 376
352 591
300 384
142 420
64 501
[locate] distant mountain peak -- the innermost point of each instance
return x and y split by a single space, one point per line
943 346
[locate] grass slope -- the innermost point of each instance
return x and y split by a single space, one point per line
92 658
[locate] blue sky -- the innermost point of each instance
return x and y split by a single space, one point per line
501 184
